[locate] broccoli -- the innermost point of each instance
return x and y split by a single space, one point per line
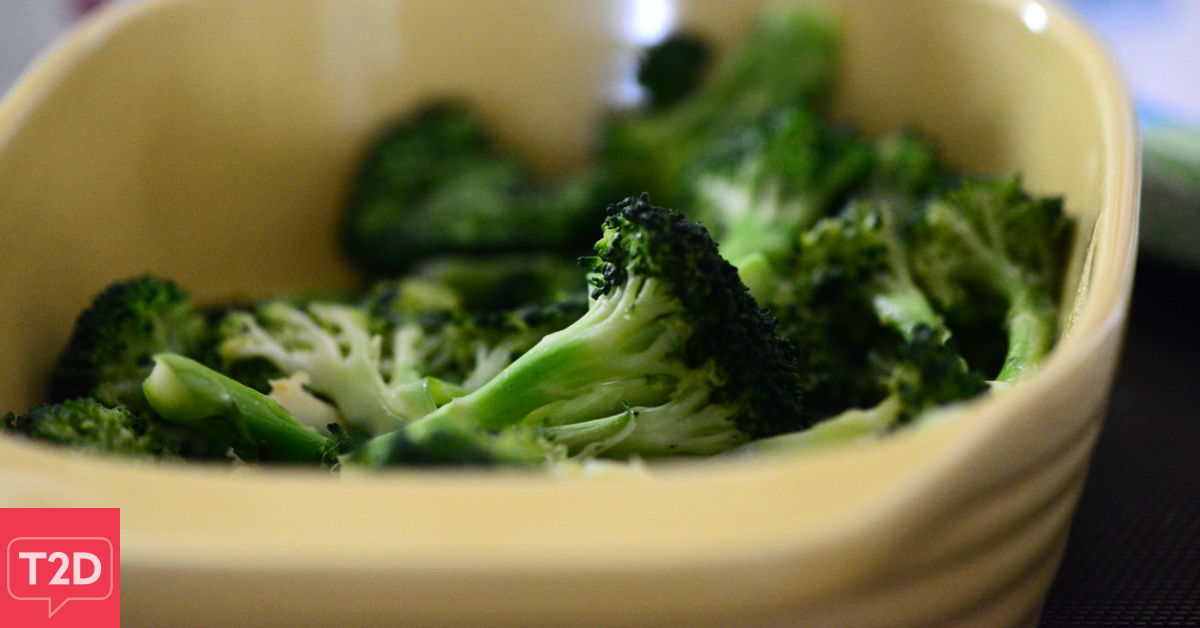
850 305
768 182
907 168
673 356
335 345
109 353
473 348
86 424
928 373
672 70
188 393
658 152
503 282
990 235
436 184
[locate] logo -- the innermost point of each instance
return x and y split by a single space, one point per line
62 567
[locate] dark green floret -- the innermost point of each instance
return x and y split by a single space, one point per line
110 351
925 373
672 70
989 235
659 152
672 357
436 184
763 184
88 425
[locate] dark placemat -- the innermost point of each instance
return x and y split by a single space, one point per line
1133 558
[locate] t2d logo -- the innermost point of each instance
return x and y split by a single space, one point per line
60 569
53 556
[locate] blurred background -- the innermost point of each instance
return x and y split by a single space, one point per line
1134 553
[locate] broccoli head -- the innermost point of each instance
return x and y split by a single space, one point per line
988 235
86 424
435 183
109 354
658 152
765 183
926 373
337 347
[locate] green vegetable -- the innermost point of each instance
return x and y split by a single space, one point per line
503 282
109 353
770 181
928 374
672 357
672 70
990 235
436 184
658 153
86 424
186 392
335 346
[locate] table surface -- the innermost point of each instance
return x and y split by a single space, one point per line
1133 558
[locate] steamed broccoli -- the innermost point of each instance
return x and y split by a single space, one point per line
436 184
472 348
337 347
658 153
927 373
672 70
672 357
766 183
109 353
504 282
850 305
990 235
188 393
88 425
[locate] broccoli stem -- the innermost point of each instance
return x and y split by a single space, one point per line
599 348
450 442
1031 322
904 307
849 426
186 392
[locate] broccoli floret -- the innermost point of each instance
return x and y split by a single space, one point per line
472 348
672 70
335 345
850 305
658 152
929 373
672 345
109 353
188 393
990 235
435 183
907 168
770 181
505 282
86 424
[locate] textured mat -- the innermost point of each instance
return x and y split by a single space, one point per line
1133 558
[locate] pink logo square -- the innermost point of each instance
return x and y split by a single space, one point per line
62 567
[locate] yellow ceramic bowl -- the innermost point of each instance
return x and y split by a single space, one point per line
209 141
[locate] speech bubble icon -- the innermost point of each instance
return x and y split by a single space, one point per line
60 569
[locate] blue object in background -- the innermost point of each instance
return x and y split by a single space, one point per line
1158 43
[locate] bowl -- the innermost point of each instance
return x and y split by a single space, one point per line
209 141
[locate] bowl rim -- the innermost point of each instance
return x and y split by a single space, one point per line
1099 315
